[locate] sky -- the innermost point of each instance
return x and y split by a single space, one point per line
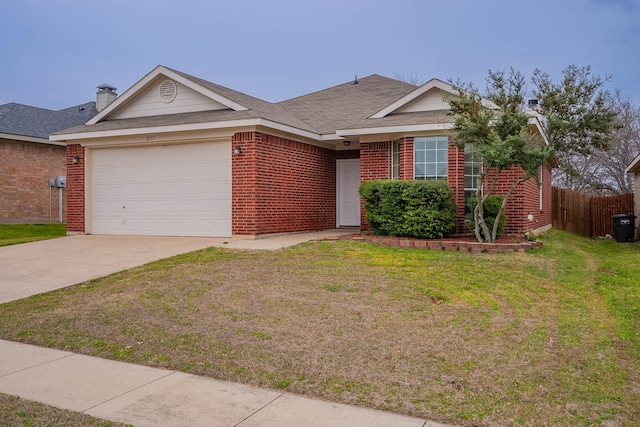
55 53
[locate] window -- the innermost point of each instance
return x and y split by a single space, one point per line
541 187
430 156
395 160
472 170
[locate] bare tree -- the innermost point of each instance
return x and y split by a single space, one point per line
602 172
579 121
409 78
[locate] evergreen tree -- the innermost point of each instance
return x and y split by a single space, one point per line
497 128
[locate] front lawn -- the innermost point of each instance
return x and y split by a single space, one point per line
12 234
548 337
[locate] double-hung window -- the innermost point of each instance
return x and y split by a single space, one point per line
472 170
395 160
430 154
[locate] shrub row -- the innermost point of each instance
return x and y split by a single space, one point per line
422 209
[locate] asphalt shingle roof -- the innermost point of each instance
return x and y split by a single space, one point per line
258 108
344 105
25 120
322 112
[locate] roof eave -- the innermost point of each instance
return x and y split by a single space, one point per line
395 129
30 139
535 121
228 124
634 167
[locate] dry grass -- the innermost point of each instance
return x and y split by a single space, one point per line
17 412
518 339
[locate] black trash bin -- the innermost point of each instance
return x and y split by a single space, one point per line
624 227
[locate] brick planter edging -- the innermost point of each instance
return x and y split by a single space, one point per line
448 245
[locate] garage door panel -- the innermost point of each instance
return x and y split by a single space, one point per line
175 190
157 227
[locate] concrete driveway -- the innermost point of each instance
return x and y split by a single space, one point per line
32 268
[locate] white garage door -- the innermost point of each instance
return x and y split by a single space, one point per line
169 190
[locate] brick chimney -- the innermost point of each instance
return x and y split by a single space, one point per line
106 95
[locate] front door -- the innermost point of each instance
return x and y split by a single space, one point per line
348 197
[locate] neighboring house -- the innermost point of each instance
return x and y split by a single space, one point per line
28 159
634 168
178 155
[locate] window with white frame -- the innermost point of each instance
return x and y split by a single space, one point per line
541 186
430 154
395 160
472 170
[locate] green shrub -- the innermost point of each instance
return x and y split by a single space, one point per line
422 209
491 207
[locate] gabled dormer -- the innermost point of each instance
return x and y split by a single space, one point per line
428 97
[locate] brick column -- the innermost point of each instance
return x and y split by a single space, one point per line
75 189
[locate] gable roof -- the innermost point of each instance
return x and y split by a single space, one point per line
21 120
347 104
373 105
247 106
257 107
317 115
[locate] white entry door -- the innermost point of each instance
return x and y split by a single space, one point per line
348 178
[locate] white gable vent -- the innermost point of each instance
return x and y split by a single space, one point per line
168 91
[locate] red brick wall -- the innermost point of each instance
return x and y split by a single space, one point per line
375 163
280 185
375 160
406 158
24 188
455 179
526 199
75 189
244 184
521 201
544 217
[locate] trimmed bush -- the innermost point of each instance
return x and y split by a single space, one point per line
491 207
422 209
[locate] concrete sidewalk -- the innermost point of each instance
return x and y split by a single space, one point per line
145 396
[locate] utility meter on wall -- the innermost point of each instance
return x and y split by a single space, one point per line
61 181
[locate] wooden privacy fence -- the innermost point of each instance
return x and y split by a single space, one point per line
603 208
587 215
